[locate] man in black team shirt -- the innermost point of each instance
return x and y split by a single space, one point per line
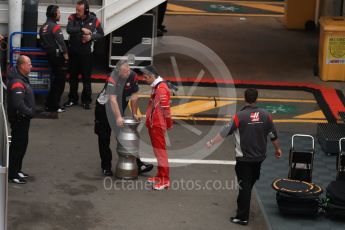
120 88
84 29
20 110
52 41
251 127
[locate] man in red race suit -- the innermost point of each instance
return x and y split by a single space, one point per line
158 120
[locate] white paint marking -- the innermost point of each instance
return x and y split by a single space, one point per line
192 161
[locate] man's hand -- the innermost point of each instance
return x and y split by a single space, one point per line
218 138
1 38
209 143
120 122
169 127
86 31
65 55
137 117
278 153
86 38
169 123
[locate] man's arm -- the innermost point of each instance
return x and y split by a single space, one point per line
1 38
228 129
162 95
18 93
116 110
60 40
218 138
98 33
278 152
89 35
134 105
72 27
273 134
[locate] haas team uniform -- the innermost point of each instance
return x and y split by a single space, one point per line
52 41
81 55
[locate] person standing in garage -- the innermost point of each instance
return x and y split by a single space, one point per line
251 127
52 41
84 29
158 121
20 110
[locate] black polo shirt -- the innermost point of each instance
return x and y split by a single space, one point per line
122 88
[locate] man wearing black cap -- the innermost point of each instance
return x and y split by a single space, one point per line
158 120
52 41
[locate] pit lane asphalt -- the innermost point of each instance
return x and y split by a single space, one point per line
67 189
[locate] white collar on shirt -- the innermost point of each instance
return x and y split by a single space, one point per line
156 81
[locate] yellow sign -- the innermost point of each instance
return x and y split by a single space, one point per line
336 50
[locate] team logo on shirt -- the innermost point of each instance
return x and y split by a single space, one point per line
128 84
255 117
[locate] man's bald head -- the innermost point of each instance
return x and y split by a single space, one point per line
123 68
24 65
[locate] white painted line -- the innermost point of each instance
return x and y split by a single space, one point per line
192 161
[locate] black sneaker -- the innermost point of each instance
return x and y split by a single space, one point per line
236 220
163 28
23 175
49 110
17 180
86 106
159 33
145 168
70 103
107 172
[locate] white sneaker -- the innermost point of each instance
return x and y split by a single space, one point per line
23 175
161 185
18 180
61 110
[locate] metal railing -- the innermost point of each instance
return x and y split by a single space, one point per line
4 148
40 72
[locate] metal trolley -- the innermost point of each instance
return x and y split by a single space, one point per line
301 161
40 73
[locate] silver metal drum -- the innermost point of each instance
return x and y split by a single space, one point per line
128 150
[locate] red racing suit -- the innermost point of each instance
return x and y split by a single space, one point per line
158 120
